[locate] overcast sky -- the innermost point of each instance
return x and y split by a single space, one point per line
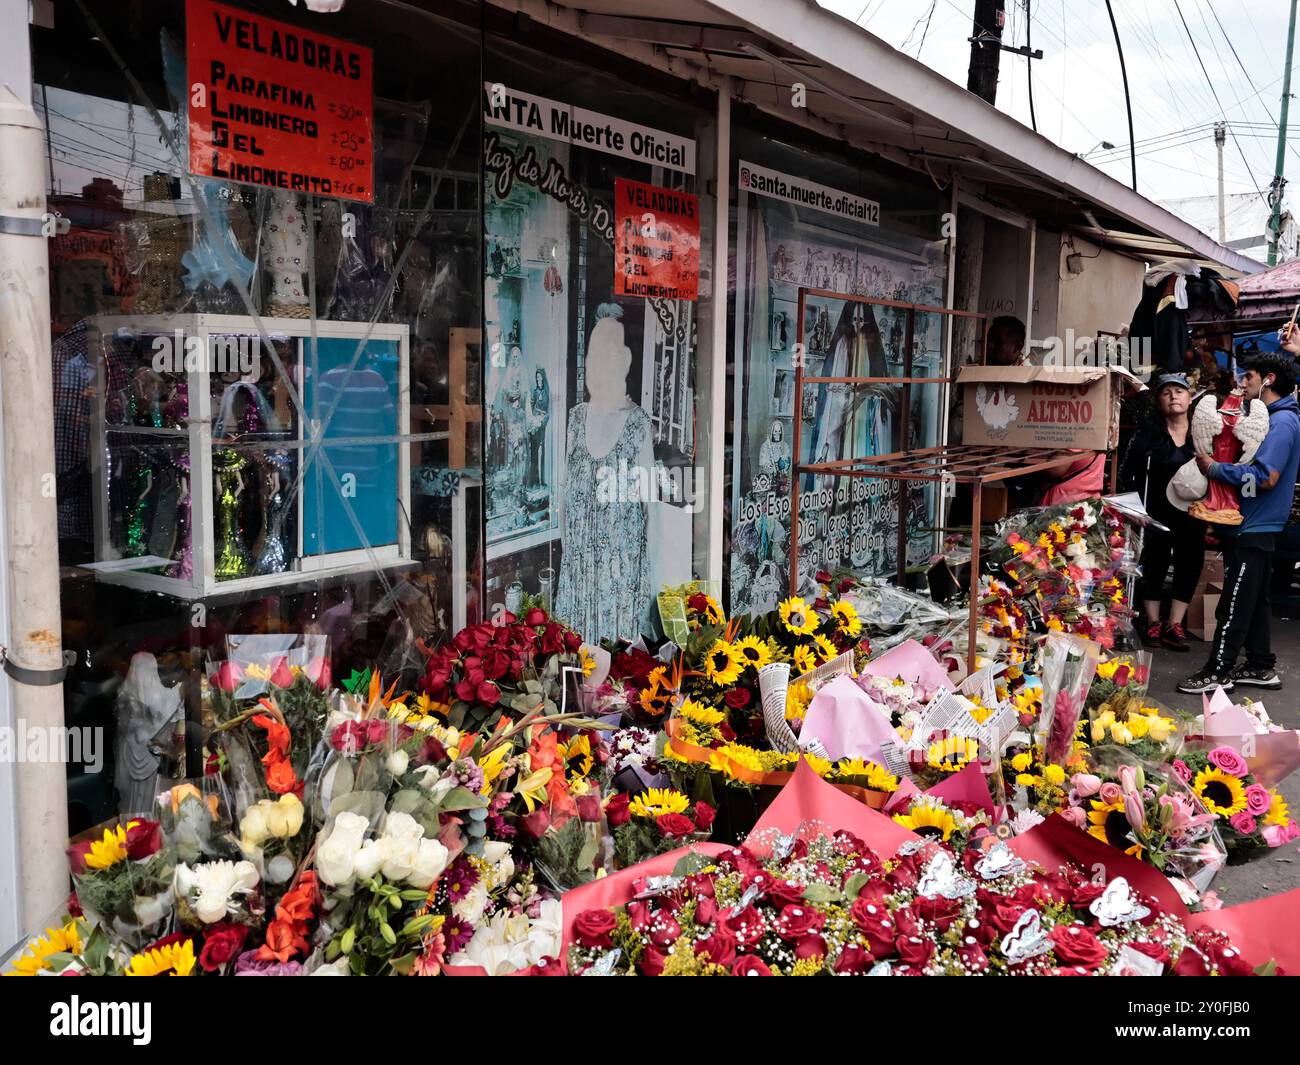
1079 97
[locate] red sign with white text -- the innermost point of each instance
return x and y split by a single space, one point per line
278 105
656 241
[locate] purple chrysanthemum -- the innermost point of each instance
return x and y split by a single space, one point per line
457 932
459 879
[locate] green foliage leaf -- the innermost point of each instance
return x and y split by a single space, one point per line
822 894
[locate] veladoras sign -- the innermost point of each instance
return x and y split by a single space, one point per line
274 104
656 241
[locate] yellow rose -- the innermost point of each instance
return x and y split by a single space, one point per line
252 826
1119 732
1139 725
283 818
1098 732
1159 728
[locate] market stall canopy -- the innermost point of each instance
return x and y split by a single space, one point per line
861 90
1271 294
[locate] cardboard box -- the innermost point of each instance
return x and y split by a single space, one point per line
1212 571
1201 611
1039 406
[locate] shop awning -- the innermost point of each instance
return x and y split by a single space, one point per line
861 90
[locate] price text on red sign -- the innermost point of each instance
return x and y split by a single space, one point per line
278 105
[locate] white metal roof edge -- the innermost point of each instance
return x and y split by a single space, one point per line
834 40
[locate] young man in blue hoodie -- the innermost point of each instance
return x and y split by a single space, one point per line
1266 486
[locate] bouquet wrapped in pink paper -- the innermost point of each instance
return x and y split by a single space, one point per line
806 896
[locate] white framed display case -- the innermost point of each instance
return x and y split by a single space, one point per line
196 401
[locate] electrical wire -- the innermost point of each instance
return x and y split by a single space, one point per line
1249 80
1187 29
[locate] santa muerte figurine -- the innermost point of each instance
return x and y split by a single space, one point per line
1228 433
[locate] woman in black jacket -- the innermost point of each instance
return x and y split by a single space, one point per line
1155 454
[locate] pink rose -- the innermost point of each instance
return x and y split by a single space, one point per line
228 676
1277 835
1076 816
1229 761
1242 822
1182 770
1086 784
1111 793
1211 901
318 670
1258 800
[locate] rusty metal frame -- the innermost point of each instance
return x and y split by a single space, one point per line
974 464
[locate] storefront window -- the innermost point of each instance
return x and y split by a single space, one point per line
808 230
593 244
267 322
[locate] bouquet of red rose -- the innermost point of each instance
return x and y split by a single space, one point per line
507 667
814 904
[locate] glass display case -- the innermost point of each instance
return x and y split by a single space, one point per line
233 458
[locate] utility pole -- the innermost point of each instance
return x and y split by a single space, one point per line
34 638
986 49
1279 179
1220 135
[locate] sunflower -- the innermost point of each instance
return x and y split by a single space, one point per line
723 663
803 659
825 648
656 698
1222 793
754 652
701 714
797 698
424 705
173 959
846 617
797 616
1108 823
107 852
877 777
655 802
577 755
36 958
823 767
928 820
952 753
711 610
1278 812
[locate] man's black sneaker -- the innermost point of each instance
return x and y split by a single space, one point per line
1206 681
1151 637
1256 678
